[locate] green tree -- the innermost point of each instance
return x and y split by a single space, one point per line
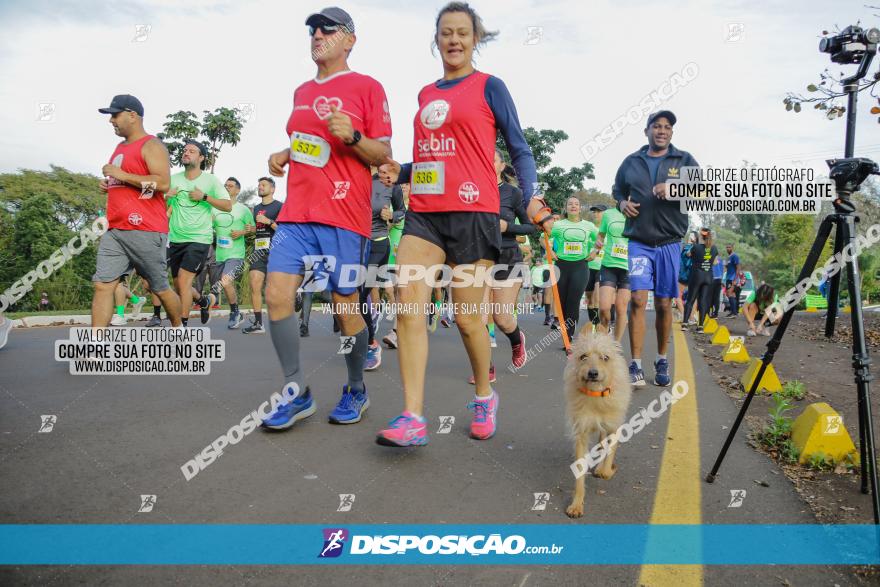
558 182
791 238
215 129
221 127
595 196
180 126
40 211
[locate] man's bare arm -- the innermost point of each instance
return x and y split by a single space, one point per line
158 163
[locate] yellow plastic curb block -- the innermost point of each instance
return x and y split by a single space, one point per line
847 310
769 382
736 351
710 326
819 429
721 336
812 309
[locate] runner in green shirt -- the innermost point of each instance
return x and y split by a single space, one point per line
231 228
756 305
193 194
614 274
595 265
570 237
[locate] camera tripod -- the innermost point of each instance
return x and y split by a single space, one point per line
847 174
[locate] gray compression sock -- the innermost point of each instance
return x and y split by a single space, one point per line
285 338
355 361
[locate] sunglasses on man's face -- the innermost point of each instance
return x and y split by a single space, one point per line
326 29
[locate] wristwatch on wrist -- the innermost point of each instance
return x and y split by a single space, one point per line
355 138
204 197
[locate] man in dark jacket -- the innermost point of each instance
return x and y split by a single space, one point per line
655 227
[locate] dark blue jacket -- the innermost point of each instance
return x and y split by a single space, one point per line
659 221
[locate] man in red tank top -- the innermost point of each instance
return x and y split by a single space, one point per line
135 180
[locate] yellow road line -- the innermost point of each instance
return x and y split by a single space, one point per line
678 499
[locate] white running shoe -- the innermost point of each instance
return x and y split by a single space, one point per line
5 327
138 306
117 320
391 340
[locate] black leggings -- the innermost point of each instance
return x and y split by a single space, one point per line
715 304
700 291
573 276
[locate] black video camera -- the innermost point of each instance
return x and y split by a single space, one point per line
851 44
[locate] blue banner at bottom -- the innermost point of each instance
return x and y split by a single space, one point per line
525 544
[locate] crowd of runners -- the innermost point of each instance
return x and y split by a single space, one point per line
460 203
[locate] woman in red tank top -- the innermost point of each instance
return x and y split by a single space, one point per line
453 219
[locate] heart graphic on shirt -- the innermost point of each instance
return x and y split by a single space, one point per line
322 104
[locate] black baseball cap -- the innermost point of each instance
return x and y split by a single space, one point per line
598 208
202 148
667 114
123 103
333 14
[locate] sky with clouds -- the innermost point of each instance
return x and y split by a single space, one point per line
586 64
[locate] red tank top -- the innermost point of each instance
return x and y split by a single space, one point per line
454 149
128 207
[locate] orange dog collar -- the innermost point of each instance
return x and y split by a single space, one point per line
604 393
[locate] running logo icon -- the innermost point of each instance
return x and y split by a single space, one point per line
638 265
346 344
46 112
534 34
147 503
246 110
541 501
340 189
148 188
346 500
334 541
737 496
446 424
141 32
735 32
832 424
318 270
434 114
135 219
47 423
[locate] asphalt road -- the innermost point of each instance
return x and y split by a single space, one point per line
118 437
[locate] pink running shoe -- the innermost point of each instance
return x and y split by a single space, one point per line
492 378
406 429
519 351
485 411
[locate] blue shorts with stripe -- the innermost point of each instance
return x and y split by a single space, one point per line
654 268
330 258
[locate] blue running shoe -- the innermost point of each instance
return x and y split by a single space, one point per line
287 414
661 372
636 375
351 406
